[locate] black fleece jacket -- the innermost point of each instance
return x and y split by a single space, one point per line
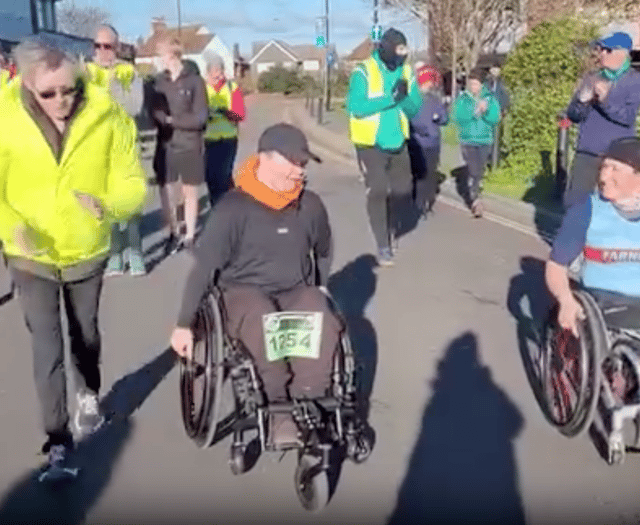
252 244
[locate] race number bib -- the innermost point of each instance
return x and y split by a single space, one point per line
292 334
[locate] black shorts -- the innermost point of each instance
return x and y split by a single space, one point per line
186 166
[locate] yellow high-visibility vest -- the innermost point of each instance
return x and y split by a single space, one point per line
363 131
220 127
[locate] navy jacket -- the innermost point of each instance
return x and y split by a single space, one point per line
601 123
425 126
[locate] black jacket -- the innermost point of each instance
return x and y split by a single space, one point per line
252 244
185 100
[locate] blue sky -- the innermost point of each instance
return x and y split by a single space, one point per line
244 21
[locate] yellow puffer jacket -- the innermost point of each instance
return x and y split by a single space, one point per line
100 157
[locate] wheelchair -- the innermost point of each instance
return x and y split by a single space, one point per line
595 374
221 395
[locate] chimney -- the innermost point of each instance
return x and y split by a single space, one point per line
158 25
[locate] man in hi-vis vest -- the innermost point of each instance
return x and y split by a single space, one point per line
125 85
226 110
383 96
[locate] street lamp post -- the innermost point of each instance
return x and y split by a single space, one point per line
327 90
179 18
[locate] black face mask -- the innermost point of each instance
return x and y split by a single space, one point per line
387 50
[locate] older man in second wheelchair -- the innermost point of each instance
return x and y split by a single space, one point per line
592 340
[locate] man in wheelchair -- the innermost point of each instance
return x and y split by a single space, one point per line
258 240
605 230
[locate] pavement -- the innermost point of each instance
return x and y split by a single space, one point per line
442 339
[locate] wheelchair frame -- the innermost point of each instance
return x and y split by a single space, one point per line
325 424
598 351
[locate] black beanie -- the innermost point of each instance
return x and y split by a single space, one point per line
391 39
625 150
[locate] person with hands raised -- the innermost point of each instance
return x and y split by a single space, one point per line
605 107
476 111
383 96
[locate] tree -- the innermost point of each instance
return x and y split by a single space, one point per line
80 21
461 30
603 11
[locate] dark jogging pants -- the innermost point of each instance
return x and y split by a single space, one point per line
219 158
244 308
387 176
41 304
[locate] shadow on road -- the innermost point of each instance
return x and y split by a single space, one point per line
352 288
463 468
32 502
529 302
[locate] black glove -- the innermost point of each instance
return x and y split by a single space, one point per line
400 90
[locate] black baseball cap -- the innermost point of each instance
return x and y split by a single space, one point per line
626 150
287 140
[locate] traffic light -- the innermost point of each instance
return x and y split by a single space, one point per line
320 42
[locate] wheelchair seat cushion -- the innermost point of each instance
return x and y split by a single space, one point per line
619 311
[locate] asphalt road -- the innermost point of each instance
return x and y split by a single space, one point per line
460 437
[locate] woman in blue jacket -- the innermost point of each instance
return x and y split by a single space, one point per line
424 144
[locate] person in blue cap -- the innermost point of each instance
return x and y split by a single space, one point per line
605 106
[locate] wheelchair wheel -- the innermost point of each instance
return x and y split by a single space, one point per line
312 484
201 377
571 368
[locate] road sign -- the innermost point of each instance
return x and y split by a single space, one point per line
376 33
321 31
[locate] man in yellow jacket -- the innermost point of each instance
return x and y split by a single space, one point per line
68 169
125 85
383 97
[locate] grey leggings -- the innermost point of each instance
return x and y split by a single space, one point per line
476 157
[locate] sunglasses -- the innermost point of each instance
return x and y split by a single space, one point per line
106 47
62 92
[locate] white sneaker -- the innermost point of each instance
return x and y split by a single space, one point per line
88 417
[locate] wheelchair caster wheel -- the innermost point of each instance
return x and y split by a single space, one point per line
237 461
360 445
616 453
312 484
359 448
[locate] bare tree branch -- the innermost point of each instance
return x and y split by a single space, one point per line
80 21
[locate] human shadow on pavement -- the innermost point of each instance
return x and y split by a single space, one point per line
30 501
352 288
529 303
463 469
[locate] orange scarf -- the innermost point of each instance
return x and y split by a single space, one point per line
247 181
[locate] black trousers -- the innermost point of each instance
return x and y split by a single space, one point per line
219 158
583 178
245 306
424 168
41 301
475 157
387 176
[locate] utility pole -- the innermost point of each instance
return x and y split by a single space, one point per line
179 19
327 88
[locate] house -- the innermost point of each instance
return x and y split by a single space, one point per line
361 52
22 18
195 39
307 59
